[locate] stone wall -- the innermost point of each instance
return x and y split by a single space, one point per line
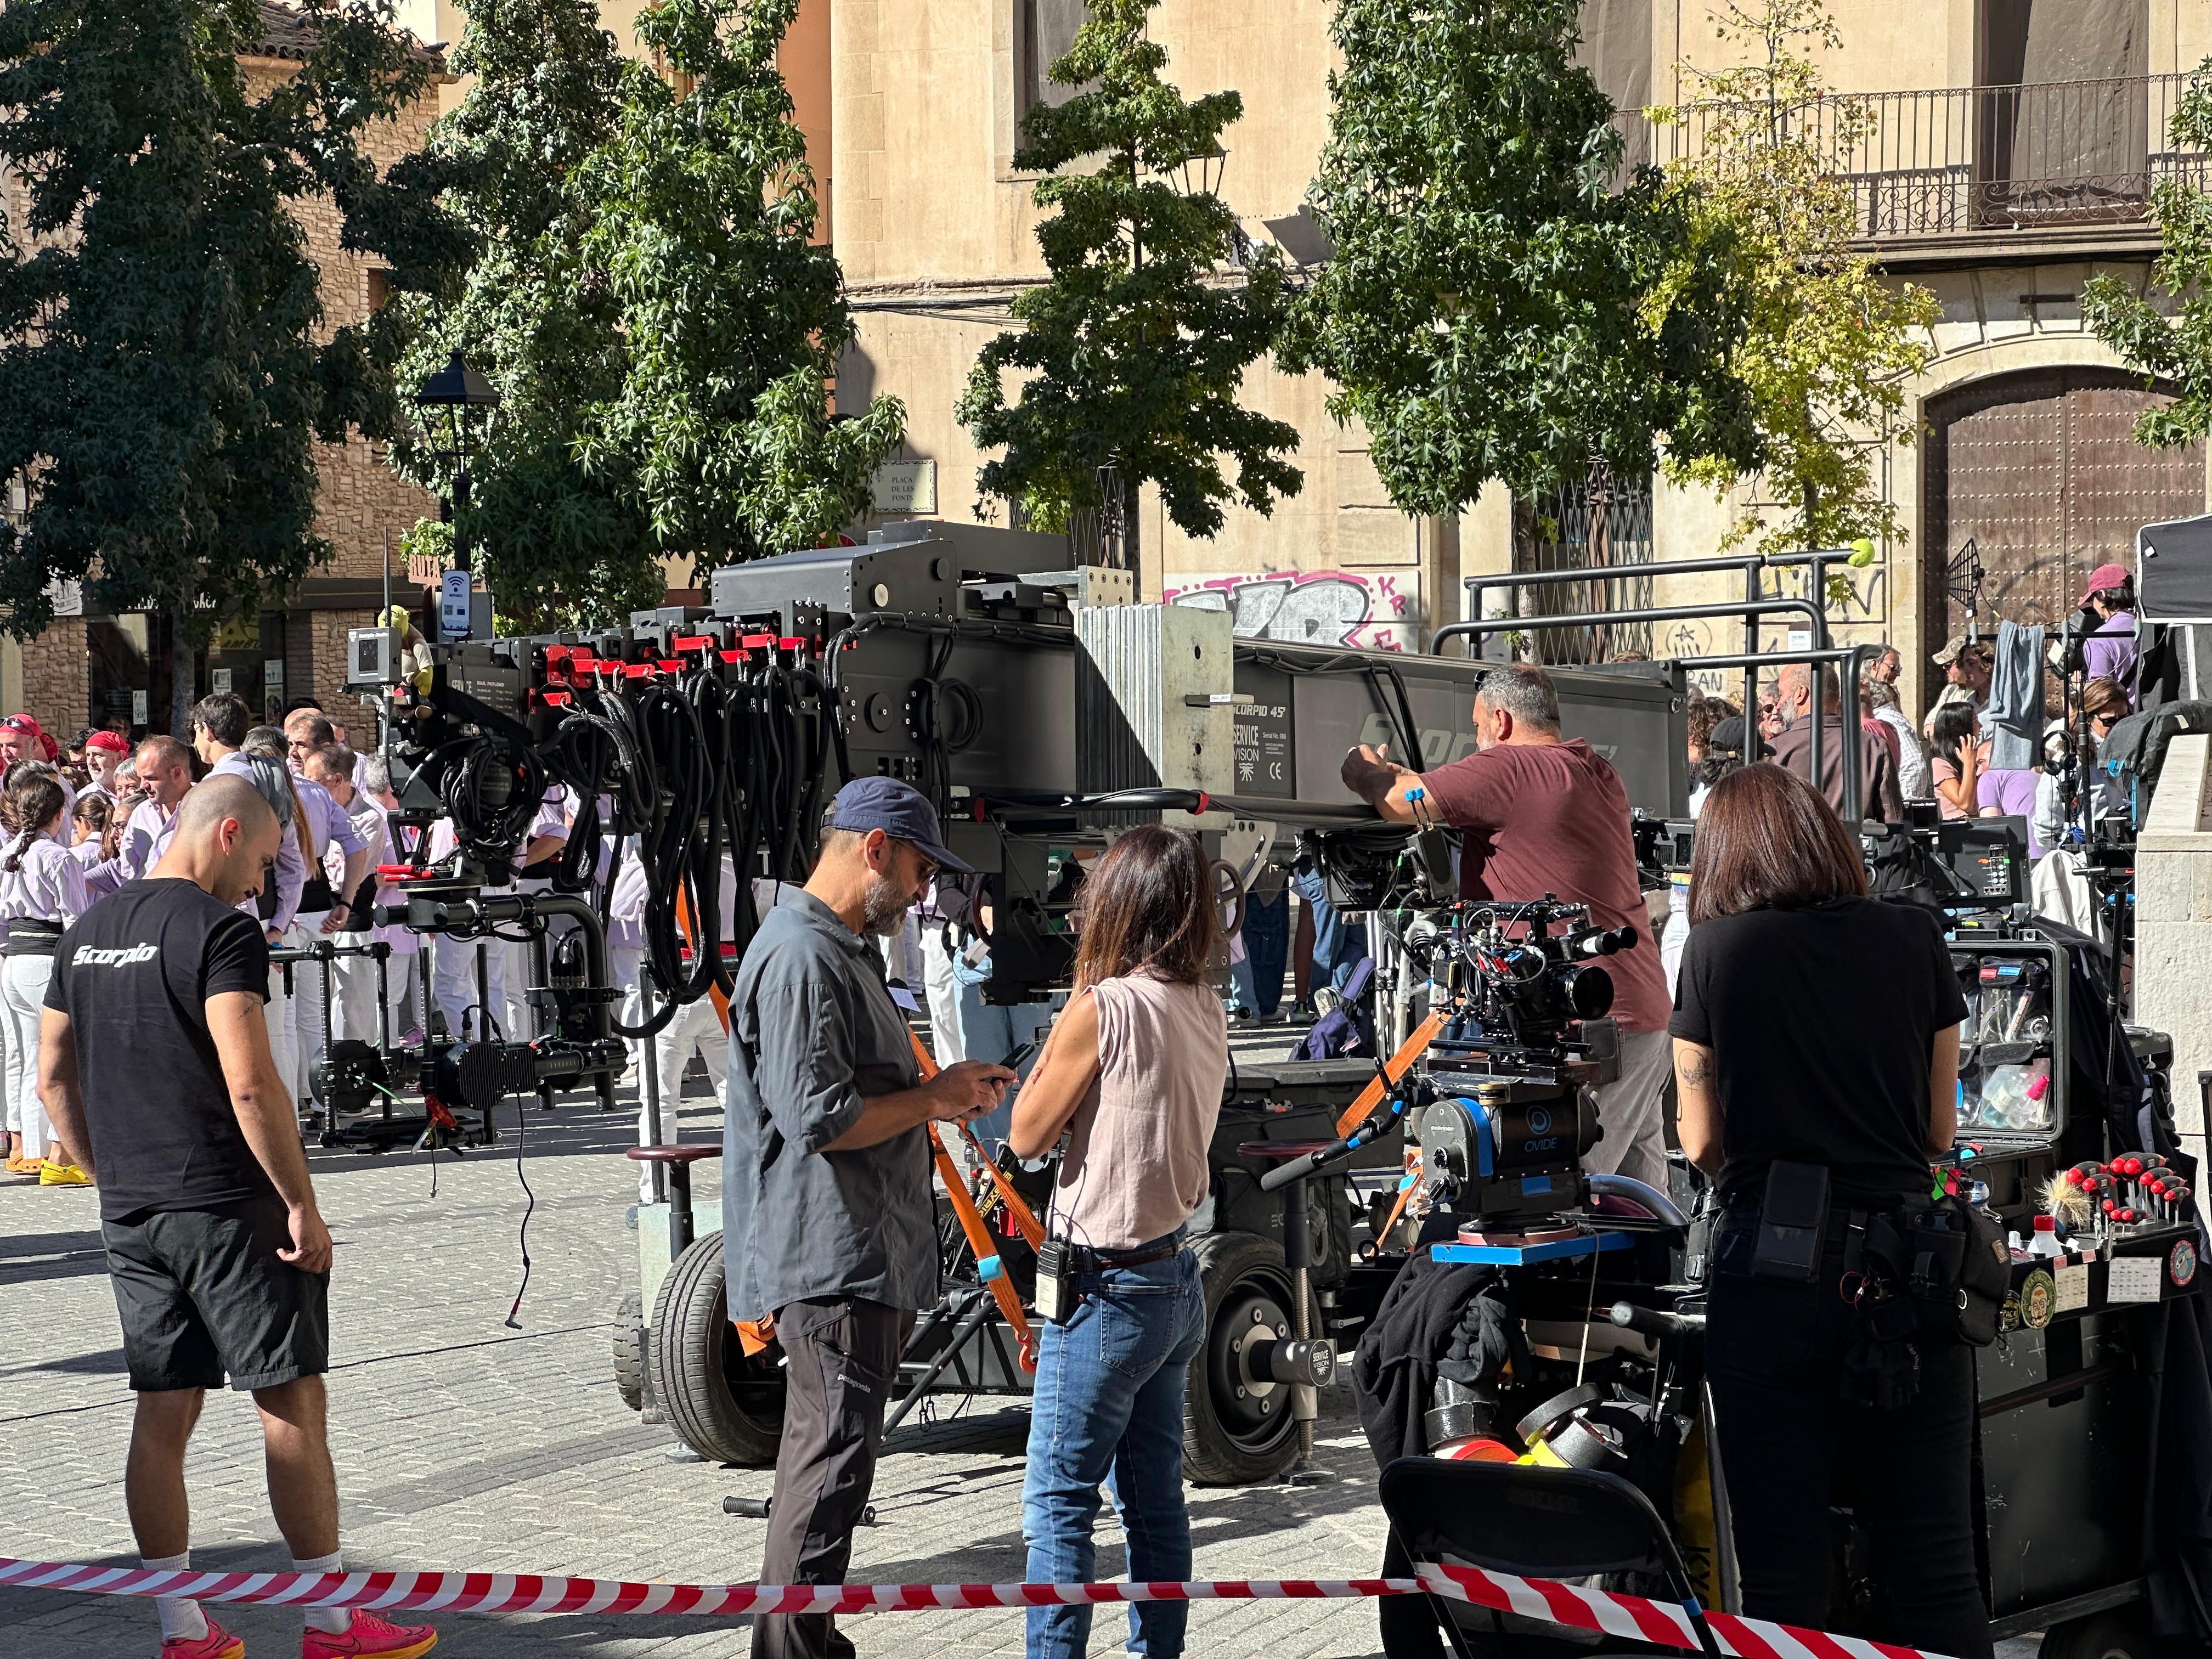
328 629
57 686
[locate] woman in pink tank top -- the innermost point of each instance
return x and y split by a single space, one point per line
1132 1074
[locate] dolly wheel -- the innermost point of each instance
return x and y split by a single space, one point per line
629 1351
725 1406
2116 1633
1238 1428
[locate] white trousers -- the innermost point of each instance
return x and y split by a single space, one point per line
13 1105
305 1013
515 1016
22 994
942 994
453 981
353 987
696 1029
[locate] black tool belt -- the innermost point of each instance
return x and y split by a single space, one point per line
1084 1260
30 936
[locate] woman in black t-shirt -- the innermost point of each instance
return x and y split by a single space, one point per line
1816 1026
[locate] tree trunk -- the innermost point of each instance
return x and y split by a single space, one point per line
184 683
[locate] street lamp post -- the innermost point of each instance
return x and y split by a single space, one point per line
1201 174
457 404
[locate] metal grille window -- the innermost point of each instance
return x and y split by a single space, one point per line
1601 520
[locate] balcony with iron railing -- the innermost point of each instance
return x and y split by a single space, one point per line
2069 162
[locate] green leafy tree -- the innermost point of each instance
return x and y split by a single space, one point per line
557 544
1134 354
1487 312
2177 349
732 318
1829 342
164 366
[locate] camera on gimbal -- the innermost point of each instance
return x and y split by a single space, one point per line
1504 1139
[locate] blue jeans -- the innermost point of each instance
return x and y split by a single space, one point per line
1266 949
1108 1401
1339 947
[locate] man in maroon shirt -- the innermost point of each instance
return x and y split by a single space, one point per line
1540 815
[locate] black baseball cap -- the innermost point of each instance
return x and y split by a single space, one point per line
896 808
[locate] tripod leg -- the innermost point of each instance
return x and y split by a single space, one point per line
969 1325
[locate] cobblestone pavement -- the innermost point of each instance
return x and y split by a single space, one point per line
462 1443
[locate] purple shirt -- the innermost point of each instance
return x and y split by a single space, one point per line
2112 652
145 834
327 820
2012 793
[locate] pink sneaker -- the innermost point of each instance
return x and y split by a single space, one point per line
370 1635
217 1644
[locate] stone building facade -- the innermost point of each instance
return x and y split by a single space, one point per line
2014 146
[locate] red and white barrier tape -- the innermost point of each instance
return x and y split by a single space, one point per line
1639 1619
488 1592
1634 1617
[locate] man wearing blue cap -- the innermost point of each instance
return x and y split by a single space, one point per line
827 1222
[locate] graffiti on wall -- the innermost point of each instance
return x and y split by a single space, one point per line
1380 611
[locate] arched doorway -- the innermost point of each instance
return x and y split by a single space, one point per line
2042 471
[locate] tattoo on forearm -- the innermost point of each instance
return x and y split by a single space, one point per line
1694 1069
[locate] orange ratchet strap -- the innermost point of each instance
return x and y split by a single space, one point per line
1371 1096
1025 1221
972 1223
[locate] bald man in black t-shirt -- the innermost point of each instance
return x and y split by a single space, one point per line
219 1258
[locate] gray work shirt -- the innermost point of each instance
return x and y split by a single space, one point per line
812 1030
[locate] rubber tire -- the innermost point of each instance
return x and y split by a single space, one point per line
629 1351
1213 1455
2116 1633
692 1353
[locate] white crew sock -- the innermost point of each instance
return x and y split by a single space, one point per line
329 1620
181 1614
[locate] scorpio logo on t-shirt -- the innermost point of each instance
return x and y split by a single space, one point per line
121 957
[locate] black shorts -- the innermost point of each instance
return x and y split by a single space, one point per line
201 1293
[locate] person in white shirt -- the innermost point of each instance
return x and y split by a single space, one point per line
407 1017
41 893
1879 699
354 979
542 849
466 1003
320 908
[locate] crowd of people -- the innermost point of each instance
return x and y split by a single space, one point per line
88 817
1989 745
